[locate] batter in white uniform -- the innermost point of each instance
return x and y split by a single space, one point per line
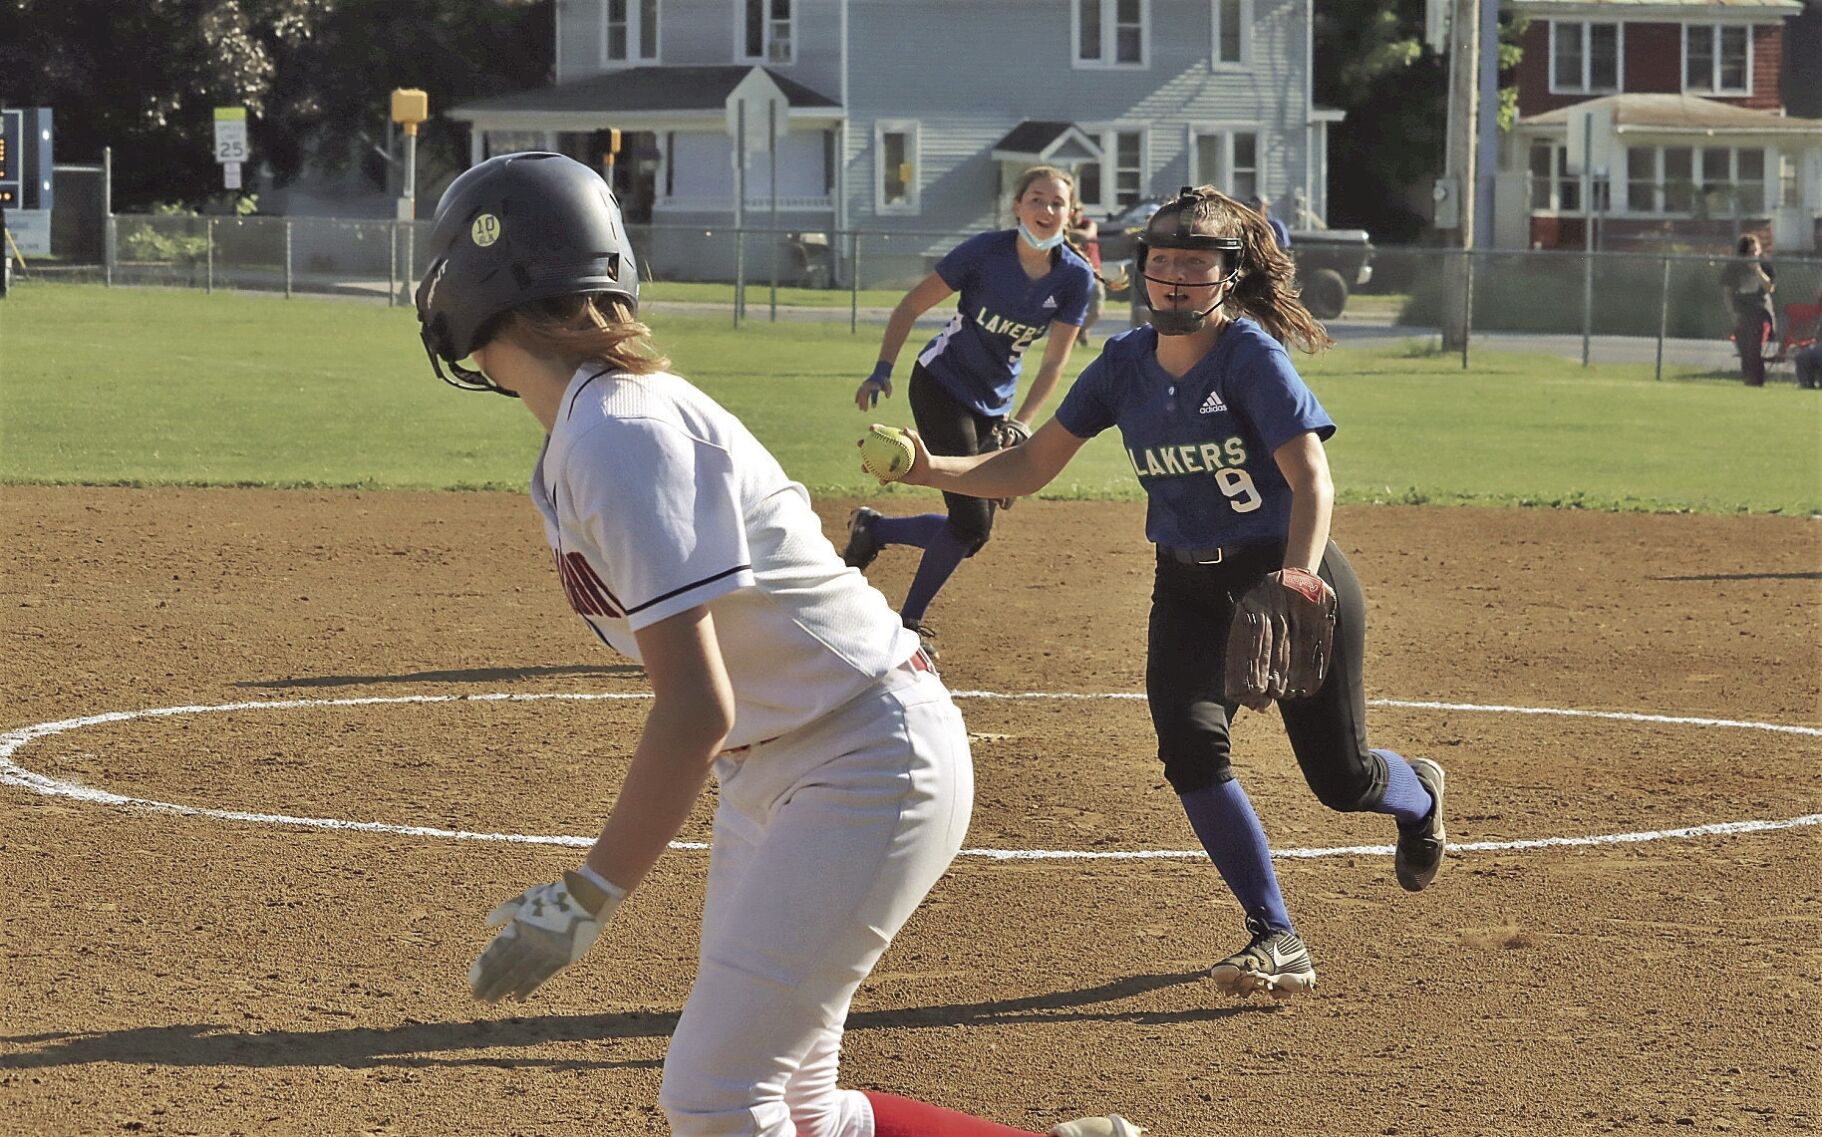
844 772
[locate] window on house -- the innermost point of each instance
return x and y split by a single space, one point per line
1584 56
1603 57
1566 55
1129 167
1230 31
1119 179
1088 31
1110 33
1641 179
1716 179
1243 180
766 31
895 144
1679 179
629 31
1210 158
648 29
1717 58
1749 180
1568 186
1229 161
1540 175
616 29
1088 184
1789 194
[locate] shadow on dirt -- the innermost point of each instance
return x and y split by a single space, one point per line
439 1044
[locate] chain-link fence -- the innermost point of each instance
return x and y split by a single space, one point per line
1618 305
382 258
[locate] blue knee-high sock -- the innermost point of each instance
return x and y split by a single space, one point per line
942 556
917 529
1229 830
1405 798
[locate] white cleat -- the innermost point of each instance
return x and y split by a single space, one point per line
1113 1125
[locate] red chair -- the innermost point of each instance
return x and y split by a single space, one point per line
1802 323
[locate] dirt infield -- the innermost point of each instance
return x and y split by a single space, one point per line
186 974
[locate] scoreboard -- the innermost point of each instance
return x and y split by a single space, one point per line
25 158
25 176
12 123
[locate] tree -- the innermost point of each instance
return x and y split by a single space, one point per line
330 100
1371 62
314 76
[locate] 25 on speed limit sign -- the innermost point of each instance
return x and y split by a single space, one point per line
230 134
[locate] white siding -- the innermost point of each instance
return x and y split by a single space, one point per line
578 39
698 33
1007 61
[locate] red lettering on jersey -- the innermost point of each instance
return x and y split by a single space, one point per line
587 594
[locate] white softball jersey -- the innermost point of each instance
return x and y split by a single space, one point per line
655 500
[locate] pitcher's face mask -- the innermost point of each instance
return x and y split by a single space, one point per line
1188 264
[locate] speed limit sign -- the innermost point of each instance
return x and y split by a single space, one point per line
230 134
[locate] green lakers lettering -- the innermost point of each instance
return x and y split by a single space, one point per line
1224 461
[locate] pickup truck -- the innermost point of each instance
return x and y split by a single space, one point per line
1330 262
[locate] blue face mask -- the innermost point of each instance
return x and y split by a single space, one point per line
1047 243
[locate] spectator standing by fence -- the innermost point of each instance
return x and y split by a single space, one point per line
1016 286
1280 233
1746 287
1085 237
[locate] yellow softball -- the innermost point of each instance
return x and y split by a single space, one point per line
886 453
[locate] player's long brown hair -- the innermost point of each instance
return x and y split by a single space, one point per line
1267 289
590 327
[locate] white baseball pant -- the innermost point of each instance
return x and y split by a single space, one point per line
825 842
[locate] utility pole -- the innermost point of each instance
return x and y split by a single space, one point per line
1464 115
410 107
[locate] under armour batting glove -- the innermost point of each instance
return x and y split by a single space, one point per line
547 928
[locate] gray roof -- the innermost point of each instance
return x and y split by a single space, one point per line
644 89
1037 140
1679 9
1682 113
1031 136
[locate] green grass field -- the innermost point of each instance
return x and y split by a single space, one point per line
155 387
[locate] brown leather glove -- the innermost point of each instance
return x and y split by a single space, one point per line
1280 641
1007 433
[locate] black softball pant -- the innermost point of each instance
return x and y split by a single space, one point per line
951 430
1192 607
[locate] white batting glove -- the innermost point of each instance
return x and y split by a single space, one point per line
547 928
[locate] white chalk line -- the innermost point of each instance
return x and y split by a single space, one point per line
11 773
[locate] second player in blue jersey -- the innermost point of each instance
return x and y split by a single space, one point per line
1227 440
1016 286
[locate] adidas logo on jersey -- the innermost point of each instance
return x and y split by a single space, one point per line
1050 301
1213 405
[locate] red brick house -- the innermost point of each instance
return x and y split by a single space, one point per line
1682 108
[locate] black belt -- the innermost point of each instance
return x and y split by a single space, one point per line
1210 556
1199 556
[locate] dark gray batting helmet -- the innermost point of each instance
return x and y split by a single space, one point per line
512 230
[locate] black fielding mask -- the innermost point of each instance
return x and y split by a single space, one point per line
1182 235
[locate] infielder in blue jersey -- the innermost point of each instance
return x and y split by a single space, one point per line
1227 441
1016 285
